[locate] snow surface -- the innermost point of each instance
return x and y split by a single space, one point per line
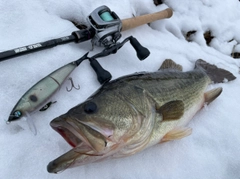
213 149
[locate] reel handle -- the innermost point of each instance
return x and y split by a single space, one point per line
131 23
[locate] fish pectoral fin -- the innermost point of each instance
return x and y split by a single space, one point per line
212 95
172 110
175 134
170 64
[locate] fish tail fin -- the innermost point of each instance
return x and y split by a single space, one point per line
217 75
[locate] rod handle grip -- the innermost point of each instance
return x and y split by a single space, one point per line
131 23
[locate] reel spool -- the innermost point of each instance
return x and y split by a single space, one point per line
107 26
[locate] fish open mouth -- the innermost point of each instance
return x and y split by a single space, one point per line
67 131
84 140
68 136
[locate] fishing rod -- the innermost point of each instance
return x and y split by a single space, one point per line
105 28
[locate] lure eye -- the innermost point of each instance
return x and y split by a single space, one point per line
14 116
17 114
90 107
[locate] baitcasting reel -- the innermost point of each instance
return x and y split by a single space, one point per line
107 26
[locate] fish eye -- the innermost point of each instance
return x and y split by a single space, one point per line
90 107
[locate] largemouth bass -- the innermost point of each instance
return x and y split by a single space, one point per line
135 112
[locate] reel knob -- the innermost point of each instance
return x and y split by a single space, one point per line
103 75
142 52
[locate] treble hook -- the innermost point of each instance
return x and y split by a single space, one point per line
73 86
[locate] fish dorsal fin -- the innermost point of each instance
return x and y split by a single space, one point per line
212 95
217 75
175 134
170 64
172 110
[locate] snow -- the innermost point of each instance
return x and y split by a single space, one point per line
212 151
